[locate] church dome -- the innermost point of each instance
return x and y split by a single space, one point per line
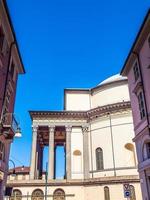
112 79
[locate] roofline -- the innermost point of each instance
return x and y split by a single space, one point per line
85 114
108 84
91 89
76 89
55 112
13 32
135 41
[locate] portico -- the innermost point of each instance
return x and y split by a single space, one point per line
52 132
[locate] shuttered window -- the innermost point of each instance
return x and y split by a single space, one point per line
141 104
99 159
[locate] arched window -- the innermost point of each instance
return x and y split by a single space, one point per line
16 195
59 194
37 195
132 190
131 154
99 159
106 193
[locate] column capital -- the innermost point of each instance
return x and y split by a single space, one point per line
34 128
68 128
85 128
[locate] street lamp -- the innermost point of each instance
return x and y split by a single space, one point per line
18 133
13 165
9 121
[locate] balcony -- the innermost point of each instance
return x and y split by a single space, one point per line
10 126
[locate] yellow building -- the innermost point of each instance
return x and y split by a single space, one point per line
96 130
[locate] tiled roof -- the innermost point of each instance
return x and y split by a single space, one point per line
20 170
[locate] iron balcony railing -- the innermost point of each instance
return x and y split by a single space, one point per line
9 121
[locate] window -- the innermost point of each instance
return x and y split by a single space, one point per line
1 38
37 195
12 69
146 151
132 190
59 194
2 151
136 71
16 195
99 159
149 41
7 100
141 104
106 193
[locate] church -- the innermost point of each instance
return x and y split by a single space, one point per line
95 130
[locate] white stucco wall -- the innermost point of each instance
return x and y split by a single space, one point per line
77 161
99 96
112 140
77 100
109 95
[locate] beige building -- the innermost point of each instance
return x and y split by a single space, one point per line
96 130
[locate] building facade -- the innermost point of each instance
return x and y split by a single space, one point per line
137 69
10 66
96 130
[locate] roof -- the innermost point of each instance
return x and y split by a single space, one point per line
13 32
112 79
20 170
132 50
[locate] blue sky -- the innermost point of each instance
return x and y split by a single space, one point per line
68 44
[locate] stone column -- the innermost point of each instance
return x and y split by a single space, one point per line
68 152
51 153
40 161
33 152
85 152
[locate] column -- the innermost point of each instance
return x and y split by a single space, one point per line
40 162
68 152
51 153
85 152
33 152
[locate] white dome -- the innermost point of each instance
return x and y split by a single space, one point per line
113 78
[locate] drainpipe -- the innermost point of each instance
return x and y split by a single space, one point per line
146 109
91 146
112 142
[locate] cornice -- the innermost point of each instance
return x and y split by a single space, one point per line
90 114
108 109
76 182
